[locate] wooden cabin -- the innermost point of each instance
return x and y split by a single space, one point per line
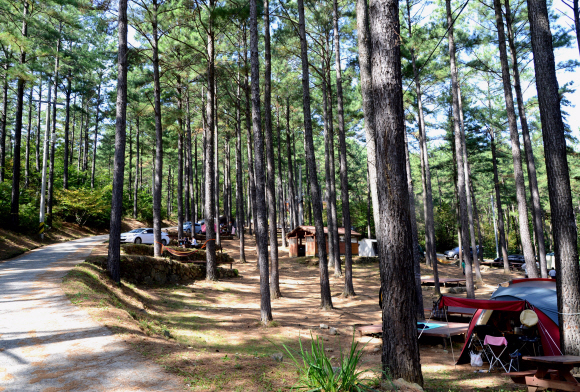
302 241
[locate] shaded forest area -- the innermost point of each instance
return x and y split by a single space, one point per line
414 123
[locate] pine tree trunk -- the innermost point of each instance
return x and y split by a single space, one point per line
94 163
270 163
364 54
530 162
348 286
239 178
419 309
28 135
38 125
332 167
216 193
561 208
500 221
461 193
292 187
16 165
251 180
516 151
3 128
473 255
281 197
72 142
45 158
328 140
325 298
261 218
158 173
400 353
137 166
53 136
430 251
66 132
114 259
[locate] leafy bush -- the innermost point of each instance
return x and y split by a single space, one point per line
84 206
318 374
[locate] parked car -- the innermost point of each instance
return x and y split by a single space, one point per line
512 259
454 253
143 236
187 227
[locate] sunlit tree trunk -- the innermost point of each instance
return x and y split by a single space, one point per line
530 162
114 259
15 199
348 286
261 218
158 180
516 151
400 352
461 194
557 170
28 136
325 298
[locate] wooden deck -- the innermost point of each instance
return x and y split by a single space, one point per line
445 331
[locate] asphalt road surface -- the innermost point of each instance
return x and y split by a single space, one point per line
49 345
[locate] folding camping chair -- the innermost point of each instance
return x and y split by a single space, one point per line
493 345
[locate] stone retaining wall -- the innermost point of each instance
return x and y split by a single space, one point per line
157 270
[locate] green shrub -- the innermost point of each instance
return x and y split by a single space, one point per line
84 206
318 374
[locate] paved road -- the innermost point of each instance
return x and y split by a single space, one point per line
49 345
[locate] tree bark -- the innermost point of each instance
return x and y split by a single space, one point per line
216 193
94 163
281 197
400 354
251 174
348 285
419 309
461 194
38 125
28 135
530 162
261 218
325 298
180 148
15 199
3 129
332 169
211 273
500 222
364 56
430 251
270 163
516 151
114 259
561 208
44 165
158 177
329 174
66 132
53 136
292 188
137 166
239 178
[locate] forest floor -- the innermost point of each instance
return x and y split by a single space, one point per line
209 332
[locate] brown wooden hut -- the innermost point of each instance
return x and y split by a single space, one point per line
302 241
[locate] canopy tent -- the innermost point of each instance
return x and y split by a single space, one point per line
536 294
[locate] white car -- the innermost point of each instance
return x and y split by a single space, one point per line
143 236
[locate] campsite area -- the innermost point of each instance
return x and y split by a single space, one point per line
209 334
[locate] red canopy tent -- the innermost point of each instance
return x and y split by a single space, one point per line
547 326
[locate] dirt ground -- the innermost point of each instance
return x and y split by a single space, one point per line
209 332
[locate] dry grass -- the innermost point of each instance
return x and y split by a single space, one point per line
209 334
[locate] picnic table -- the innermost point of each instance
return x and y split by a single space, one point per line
443 281
552 372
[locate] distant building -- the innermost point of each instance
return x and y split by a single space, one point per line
302 241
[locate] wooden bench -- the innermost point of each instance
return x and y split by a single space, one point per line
520 377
